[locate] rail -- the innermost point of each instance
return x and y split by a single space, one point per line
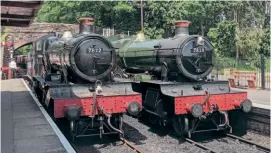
260 147
259 120
129 144
200 145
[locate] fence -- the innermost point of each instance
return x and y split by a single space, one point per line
106 32
224 70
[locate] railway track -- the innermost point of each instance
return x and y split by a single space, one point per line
78 148
210 150
259 121
258 146
197 144
91 148
129 144
200 145
134 148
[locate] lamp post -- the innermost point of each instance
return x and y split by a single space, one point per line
141 7
141 11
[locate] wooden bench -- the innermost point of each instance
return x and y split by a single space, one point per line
244 75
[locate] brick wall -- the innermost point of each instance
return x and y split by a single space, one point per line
33 32
1 56
6 57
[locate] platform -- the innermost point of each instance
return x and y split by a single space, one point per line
24 127
259 98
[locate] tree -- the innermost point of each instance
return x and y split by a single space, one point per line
23 50
223 38
233 27
159 18
265 42
249 42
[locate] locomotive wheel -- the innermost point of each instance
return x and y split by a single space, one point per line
141 115
37 91
43 98
39 96
181 125
153 119
238 121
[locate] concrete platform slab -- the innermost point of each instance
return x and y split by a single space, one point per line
24 127
258 97
6 129
29 122
23 114
36 131
44 144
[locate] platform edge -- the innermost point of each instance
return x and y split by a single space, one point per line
261 106
59 134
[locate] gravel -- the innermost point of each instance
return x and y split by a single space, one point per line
97 145
94 144
226 145
260 139
152 140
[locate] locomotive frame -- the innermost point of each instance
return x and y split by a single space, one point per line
193 107
100 113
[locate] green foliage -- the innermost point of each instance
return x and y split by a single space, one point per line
5 33
230 25
223 38
265 43
23 50
249 42
65 11
159 17
120 15
125 17
245 13
196 14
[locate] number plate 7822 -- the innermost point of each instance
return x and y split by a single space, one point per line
94 50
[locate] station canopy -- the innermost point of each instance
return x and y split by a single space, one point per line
19 13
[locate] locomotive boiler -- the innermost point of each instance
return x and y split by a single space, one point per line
85 57
182 58
171 76
72 78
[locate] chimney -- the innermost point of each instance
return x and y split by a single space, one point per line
181 27
85 25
